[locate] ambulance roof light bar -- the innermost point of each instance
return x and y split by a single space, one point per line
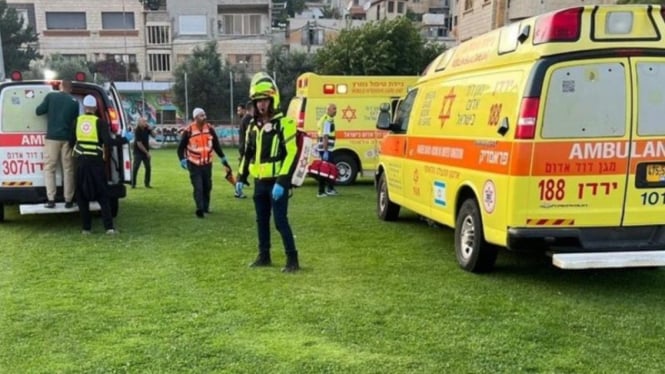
560 26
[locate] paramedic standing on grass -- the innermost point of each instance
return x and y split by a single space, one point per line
91 134
326 129
62 110
270 158
198 142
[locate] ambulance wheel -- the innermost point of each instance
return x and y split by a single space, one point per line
473 253
114 206
385 209
347 167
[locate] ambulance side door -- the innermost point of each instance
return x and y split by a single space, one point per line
394 150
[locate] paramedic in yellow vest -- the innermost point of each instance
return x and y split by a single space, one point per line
326 127
270 158
91 134
198 142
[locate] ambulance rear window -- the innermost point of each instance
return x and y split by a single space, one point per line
17 113
586 101
650 98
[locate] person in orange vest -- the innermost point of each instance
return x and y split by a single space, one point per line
198 142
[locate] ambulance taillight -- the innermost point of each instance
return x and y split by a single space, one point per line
16 75
301 120
526 122
79 76
115 120
562 26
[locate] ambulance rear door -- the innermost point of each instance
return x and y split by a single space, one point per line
645 193
579 169
22 135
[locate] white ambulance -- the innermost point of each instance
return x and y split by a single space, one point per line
22 135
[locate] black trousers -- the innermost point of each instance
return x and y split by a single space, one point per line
201 178
91 186
325 183
264 204
140 157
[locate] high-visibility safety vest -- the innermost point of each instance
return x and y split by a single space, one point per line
331 134
276 148
199 147
87 139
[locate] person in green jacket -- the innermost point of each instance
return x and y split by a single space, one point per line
62 109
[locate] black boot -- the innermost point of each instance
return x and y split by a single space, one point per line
263 259
291 263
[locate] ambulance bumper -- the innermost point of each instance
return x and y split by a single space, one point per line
602 260
594 247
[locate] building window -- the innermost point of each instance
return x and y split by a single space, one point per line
468 5
74 57
23 15
117 21
391 7
122 58
241 24
312 36
158 34
251 63
159 62
400 7
65 21
192 25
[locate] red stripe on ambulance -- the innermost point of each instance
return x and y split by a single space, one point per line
18 140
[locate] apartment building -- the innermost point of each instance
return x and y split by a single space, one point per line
436 16
92 30
151 38
475 17
242 29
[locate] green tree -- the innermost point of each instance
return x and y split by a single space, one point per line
378 48
204 82
16 48
294 7
64 68
286 66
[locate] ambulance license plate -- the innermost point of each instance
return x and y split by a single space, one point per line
655 173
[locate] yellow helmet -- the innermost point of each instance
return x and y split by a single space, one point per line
263 86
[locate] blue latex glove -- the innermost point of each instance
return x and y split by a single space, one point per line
326 156
277 191
183 163
239 187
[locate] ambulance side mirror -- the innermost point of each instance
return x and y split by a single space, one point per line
384 118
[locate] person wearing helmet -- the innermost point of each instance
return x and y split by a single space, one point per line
269 157
91 134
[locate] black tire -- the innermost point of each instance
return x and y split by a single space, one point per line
347 168
2 212
115 206
385 209
473 253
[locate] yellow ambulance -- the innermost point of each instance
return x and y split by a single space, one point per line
545 135
358 99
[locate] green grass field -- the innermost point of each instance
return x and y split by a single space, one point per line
173 294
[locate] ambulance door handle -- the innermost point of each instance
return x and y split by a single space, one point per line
503 127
